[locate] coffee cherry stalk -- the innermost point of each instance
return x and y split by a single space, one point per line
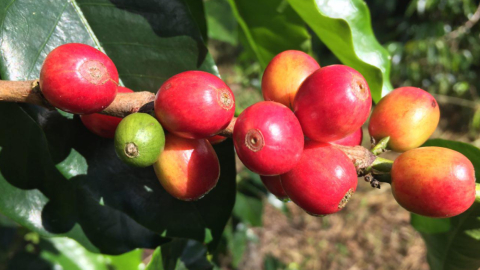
128 103
303 140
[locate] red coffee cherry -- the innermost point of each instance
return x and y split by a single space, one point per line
216 139
434 182
268 138
284 75
274 185
187 169
79 79
353 139
194 105
408 115
323 180
103 125
332 103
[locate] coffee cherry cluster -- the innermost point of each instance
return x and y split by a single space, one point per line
192 107
331 104
291 139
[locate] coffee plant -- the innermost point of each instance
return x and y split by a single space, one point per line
120 135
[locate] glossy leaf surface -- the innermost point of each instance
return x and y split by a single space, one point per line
57 178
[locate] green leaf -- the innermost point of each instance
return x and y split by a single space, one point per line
65 253
221 23
249 209
237 240
272 263
430 225
270 27
344 26
456 246
156 263
249 203
59 179
128 261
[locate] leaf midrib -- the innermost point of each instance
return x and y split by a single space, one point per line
450 240
46 40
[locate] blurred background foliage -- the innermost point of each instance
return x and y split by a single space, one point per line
434 45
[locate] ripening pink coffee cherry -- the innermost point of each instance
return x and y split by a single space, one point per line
268 138
332 103
408 115
194 105
284 75
323 180
187 169
434 182
79 79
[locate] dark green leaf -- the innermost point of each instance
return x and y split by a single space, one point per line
272 263
39 197
459 246
194 257
344 26
180 255
57 178
6 222
270 27
197 10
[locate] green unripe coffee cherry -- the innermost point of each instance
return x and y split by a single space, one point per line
139 140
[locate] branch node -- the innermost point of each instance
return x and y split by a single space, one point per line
360 156
371 179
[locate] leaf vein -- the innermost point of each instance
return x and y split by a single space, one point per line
47 39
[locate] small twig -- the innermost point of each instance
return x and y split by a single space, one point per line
466 26
29 92
128 103
23 91
360 156
456 101
373 182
